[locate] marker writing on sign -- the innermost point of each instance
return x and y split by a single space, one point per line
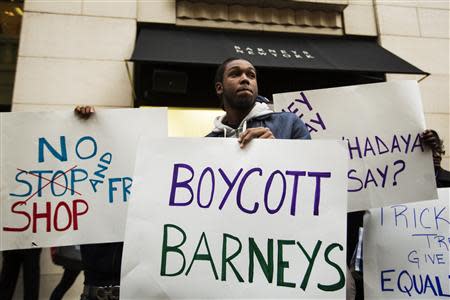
360 147
52 208
380 178
387 175
420 259
414 284
298 107
237 182
59 216
441 241
86 148
401 216
274 265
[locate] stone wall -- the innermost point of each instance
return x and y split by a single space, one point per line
75 52
419 32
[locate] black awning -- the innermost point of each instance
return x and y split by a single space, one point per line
274 50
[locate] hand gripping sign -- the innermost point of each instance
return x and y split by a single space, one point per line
208 220
406 250
65 180
380 124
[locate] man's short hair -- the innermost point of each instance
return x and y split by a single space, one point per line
221 69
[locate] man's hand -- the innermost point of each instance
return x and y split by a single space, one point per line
84 112
254 133
431 139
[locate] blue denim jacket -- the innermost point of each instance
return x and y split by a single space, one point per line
284 125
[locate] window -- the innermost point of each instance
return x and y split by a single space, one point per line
11 12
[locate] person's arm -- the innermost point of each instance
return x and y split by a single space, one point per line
84 112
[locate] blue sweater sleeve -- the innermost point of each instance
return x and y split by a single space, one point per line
299 130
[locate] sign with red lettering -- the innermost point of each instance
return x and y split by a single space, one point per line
380 124
65 180
406 250
267 221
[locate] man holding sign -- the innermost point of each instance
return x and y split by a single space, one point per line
237 87
101 262
193 243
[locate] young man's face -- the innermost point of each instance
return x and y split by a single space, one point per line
240 87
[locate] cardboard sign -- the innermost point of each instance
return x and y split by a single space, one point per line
406 250
209 220
381 124
65 180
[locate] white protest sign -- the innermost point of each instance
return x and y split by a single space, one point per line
65 180
381 124
209 220
406 250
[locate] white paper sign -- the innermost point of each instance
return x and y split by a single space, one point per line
208 220
381 124
65 180
406 250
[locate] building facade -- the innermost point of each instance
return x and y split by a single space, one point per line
77 52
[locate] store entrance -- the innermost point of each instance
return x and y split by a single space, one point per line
192 86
